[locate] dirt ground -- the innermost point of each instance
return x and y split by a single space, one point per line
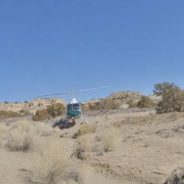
113 148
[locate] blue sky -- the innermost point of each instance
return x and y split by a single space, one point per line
49 46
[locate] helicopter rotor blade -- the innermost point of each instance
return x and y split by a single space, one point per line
92 89
73 91
54 94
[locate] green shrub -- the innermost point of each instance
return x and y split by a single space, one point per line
172 98
145 102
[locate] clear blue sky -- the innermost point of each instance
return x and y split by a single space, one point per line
48 46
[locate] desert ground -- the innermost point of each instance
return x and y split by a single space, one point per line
111 147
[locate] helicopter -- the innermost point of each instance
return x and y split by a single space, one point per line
74 107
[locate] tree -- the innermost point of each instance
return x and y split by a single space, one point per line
172 98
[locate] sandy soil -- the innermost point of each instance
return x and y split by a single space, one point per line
146 148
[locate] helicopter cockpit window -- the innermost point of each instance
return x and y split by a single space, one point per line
76 107
69 107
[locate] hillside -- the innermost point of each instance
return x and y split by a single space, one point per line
119 100
30 106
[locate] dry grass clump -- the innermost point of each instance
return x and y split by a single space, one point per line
109 141
3 129
3 132
43 129
85 129
51 167
9 114
18 141
24 112
98 143
20 138
85 144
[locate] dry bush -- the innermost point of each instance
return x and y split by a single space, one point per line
41 115
97 143
110 139
43 129
8 114
84 145
52 166
131 103
24 112
18 141
172 98
85 129
3 129
104 104
108 142
52 111
3 132
56 109
145 102
115 101
20 138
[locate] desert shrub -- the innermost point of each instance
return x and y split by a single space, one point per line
30 104
47 170
84 145
52 111
145 102
3 128
85 129
110 104
19 141
131 103
172 98
20 138
24 112
104 104
3 132
52 166
40 104
43 129
56 109
108 141
41 115
80 153
8 114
